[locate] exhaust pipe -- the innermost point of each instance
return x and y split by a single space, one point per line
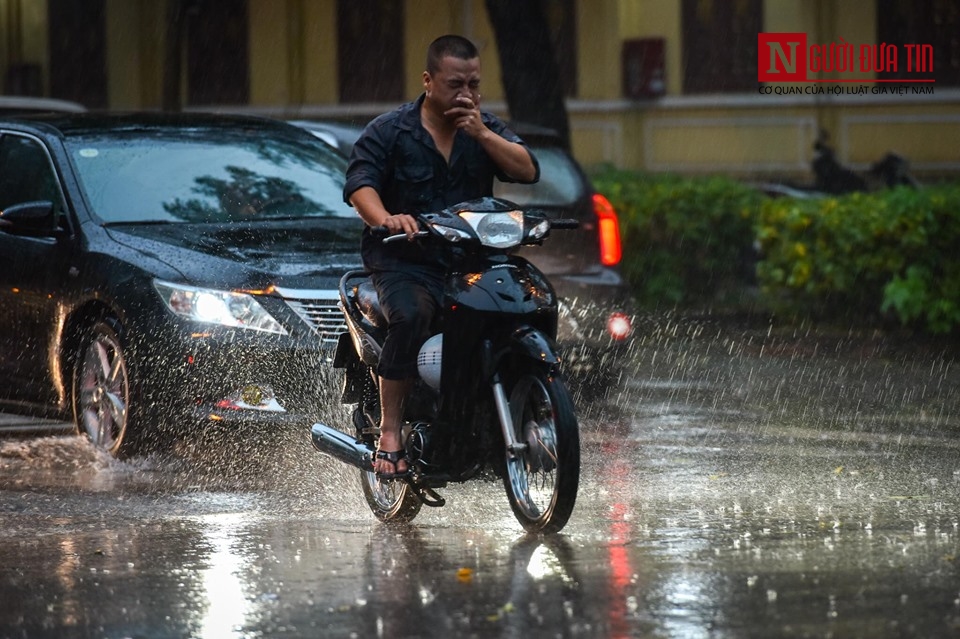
341 446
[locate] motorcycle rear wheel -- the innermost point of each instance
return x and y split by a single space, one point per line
392 501
542 481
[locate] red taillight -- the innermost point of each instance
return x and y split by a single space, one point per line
610 251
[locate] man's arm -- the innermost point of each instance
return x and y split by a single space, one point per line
371 210
512 158
364 179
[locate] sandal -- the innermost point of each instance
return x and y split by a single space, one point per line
394 457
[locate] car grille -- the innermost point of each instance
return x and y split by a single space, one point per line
320 310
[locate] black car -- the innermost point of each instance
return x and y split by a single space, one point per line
583 265
166 270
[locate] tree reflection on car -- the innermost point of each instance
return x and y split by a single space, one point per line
246 194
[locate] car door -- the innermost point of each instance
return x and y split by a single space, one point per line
33 275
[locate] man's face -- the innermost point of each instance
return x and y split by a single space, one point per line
454 80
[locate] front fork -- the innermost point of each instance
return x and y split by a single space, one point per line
513 447
526 343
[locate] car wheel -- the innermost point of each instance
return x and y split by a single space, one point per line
101 390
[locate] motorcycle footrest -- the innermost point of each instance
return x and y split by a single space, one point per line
429 497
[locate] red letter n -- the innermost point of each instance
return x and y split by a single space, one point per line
781 57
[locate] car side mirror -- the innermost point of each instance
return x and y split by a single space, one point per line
33 219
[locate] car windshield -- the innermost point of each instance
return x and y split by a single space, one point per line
202 175
559 185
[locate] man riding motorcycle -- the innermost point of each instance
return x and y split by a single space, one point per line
428 154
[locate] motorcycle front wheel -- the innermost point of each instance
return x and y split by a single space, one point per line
542 480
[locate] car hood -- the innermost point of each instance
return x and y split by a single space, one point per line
297 254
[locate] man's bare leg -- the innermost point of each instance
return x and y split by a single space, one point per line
392 394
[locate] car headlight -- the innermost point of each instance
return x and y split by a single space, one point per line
498 230
226 308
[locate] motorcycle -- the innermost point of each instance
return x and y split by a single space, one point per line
490 401
833 178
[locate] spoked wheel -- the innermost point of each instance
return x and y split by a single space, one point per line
392 501
101 390
543 479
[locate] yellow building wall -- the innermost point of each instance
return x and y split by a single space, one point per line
124 66
655 19
7 34
270 46
708 140
293 56
318 42
293 53
426 21
598 66
423 23
748 134
151 39
925 134
35 44
293 70
25 40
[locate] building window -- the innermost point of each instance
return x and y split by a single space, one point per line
370 50
217 52
78 53
720 45
934 22
562 22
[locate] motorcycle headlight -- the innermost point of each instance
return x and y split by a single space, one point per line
498 230
211 306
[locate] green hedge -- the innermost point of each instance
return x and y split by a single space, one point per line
684 240
890 255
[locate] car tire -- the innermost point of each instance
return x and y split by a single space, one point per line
102 389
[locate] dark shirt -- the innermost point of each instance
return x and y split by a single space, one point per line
397 157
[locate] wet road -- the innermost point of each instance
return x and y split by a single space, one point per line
735 484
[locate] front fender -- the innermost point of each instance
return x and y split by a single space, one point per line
531 342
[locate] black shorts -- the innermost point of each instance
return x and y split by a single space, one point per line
410 302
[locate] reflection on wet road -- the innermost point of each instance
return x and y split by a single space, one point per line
733 485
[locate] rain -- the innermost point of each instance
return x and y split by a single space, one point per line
735 481
741 474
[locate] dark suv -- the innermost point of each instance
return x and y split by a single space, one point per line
583 265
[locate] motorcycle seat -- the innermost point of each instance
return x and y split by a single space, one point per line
369 304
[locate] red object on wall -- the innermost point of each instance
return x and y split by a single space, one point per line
643 68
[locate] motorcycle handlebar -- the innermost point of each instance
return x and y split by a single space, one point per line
403 236
383 231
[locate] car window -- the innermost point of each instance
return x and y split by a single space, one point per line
208 176
560 183
26 174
